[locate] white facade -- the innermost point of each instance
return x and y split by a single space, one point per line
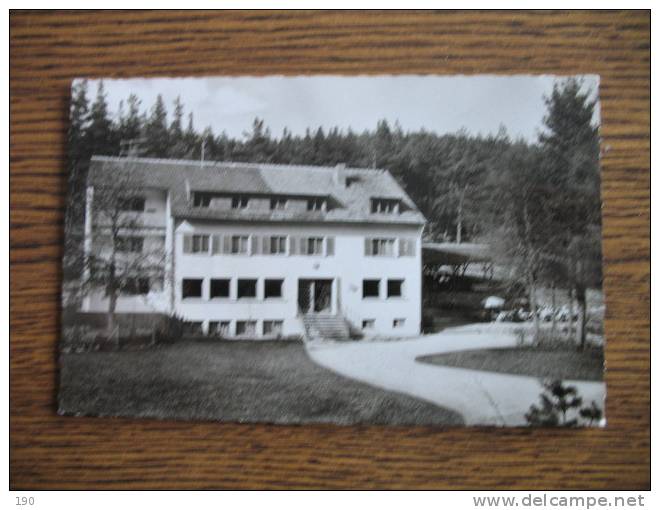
392 306
347 269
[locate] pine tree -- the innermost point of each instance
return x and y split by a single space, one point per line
191 140
210 150
101 138
79 120
383 144
156 132
78 161
177 148
319 148
258 142
130 127
571 147
78 117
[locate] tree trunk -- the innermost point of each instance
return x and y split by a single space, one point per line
532 305
581 296
459 218
571 311
459 225
112 305
553 331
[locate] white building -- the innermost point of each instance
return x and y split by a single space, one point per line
267 250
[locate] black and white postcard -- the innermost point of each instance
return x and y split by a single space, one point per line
418 250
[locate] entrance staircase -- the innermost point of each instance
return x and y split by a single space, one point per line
326 327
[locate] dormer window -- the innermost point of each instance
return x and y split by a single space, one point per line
277 204
316 204
352 179
384 206
239 202
201 200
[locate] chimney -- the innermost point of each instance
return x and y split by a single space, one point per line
336 175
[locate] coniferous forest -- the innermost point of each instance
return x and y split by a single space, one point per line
536 203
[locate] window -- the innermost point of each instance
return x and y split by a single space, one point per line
394 288
239 202
130 244
192 328
370 288
384 205
136 286
278 204
316 204
247 288
219 288
277 245
219 328
246 328
200 244
273 288
273 327
352 179
197 243
380 247
191 288
239 244
133 204
398 323
314 246
368 323
201 200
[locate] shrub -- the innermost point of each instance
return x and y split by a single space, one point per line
79 338
591 414
170 330
561 407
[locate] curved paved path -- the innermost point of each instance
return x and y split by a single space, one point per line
483 398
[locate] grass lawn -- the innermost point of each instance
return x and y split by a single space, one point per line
230 381
535 362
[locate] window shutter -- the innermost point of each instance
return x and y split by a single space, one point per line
303 246
215 243
187 244
368 246
226 244
266 244
254 249
412 247
292 245
406 247
329 246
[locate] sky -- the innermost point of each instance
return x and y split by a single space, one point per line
479 104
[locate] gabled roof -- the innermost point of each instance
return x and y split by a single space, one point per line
180 177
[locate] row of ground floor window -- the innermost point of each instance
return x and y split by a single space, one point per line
268 329
249 288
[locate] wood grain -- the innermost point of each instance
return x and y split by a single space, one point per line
48 49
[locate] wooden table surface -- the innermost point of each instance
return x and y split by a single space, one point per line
49 49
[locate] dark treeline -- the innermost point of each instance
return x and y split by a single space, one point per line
440 172
536 203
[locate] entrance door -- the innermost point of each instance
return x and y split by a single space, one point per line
315 296
322 296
